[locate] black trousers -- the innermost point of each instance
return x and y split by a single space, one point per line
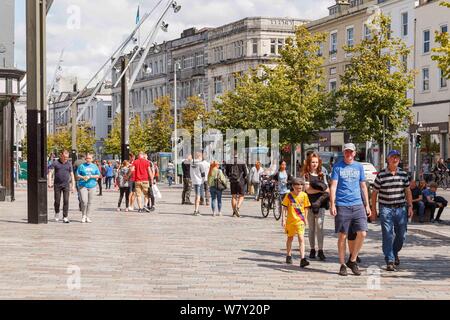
151 197
65 190
187 186
100 188
433 207
124 191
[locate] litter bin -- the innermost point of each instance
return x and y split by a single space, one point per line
2 194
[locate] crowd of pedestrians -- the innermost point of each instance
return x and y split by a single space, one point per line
304 199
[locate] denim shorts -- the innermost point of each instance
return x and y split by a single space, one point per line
199 190
351 219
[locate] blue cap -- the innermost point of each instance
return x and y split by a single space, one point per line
394 153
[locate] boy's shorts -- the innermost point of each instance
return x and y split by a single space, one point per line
295 229
142 188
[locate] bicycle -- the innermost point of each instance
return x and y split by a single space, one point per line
441 178
270 198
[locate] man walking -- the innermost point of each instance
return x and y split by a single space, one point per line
143 179
395 202
198 175
347 183
205 200
187 182
237 173
64 181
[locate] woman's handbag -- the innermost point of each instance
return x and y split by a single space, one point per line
219 183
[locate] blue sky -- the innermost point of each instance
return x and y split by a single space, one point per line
104 23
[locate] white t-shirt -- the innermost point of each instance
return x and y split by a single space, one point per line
197 169
256 174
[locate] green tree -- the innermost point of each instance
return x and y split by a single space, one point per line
290 97
24 144
138 136
160 126
85 138
59 141
112 144
373 88
443 52
192 112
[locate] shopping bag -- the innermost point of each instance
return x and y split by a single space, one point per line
156 192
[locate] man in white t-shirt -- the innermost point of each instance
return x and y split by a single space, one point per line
198 175
206 166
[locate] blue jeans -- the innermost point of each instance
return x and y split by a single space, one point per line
420 207
216 194
394 224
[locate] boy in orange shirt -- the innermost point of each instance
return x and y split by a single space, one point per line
295 210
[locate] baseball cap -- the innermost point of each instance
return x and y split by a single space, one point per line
394 153
349 146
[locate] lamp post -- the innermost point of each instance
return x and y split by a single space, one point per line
9 92
176 67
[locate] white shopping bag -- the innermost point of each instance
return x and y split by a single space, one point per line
156 192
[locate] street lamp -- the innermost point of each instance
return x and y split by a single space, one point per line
9 92
176 67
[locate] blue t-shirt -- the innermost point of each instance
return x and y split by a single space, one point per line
283 181
348 177
109 171
426 193
88 170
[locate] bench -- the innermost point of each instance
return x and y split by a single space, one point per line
427 217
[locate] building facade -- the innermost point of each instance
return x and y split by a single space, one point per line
431 95
7 34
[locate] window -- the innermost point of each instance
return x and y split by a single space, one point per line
109 129
444 28
161 65
333 70
320 51
404 24
442 80
221 53
333 44
425 79
367 34
156 67
350 36
238 49
218 85
273 46
426 41
255 46
188 62
333 85
280 45
109 112
199 59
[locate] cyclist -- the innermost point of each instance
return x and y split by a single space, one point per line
440 169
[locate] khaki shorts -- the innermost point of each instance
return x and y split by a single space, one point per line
142 187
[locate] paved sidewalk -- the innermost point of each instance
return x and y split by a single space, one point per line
171 254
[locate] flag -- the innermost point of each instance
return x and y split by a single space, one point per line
138 18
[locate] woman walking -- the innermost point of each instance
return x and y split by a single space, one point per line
123 177
318 193
216 183
255 175
87 174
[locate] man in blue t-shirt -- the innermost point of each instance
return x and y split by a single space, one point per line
348 183
432 202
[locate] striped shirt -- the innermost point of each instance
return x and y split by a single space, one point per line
391 188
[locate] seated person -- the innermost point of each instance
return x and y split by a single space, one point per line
432 201
417 201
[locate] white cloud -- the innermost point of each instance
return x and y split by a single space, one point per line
104 24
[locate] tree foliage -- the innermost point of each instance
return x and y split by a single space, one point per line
112 144
138 135
194 110
290 97
159 135
374 87
443 52
85 138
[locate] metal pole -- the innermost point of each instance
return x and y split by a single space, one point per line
36 111
125 115
384 142
12 141
74 111
175 120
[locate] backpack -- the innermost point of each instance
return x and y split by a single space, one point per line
235 173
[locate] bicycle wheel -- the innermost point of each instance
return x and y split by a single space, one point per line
445 182
265 206
277 208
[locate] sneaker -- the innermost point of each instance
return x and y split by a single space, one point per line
83 219
146 209
234 213
312 254
397 262
343 270
130 209
438 221
432 221
66 220
237 213
390 267
358 260
152 209
321 256
127 210
220 214
354 267
118 210
88 220
289 260
214 214
195 213
304 263
57 217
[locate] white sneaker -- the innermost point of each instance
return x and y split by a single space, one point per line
83 220
66 220
220 214
88 220
57 217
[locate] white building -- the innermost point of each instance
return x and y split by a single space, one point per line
431 94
